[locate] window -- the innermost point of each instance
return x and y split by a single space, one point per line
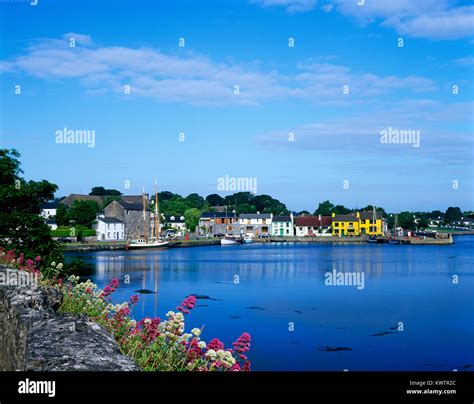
336 224
108 234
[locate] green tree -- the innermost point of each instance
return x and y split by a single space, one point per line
101 191
325 209
195 201
84 212
191 218
246 208
215 200
452 214
62 215
21 227
340 210
423 223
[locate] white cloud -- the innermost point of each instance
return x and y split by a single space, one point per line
435 19
291 6
196 79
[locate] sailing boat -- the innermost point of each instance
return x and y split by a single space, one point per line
394 240
154 242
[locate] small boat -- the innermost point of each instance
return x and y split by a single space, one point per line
142 243
248 240
231 240
394 241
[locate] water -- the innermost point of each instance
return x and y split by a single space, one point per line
408 292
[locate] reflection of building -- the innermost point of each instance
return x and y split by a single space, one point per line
309 226
109 228
213 223
255 223
282 226
358 224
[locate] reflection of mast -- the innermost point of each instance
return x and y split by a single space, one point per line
144 211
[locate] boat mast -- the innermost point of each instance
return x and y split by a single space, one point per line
144 212
157 217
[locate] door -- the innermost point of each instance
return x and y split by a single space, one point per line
281 232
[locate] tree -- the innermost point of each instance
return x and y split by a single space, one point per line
21 227
195 201
101 191
452 214
84 212
191 218
167 195
215 200
246 208
303 213
325 209
239 198
340 210
62 215
406 220
423 223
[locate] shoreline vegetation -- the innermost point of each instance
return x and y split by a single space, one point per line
154 344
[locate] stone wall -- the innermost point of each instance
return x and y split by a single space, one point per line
33 336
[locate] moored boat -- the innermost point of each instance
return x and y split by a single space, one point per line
248 240
231 240
142 243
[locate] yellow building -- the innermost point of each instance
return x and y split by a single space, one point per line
358 224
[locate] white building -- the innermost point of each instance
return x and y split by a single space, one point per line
49 210
255 224
109 229
178 223
282 226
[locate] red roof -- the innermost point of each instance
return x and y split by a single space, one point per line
313 221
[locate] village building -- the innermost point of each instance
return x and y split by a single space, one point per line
109 229
313 226
282 226
255 224
218 223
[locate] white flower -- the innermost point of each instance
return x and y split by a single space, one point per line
53 264
201 344
147 321
211 354
60 266
170 314
196 332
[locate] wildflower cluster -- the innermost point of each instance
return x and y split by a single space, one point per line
154 344
10 258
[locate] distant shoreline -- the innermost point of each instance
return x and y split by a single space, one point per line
103 246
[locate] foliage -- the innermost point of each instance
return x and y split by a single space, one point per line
76 231
155 345
21 227
62 215
101 191
215 200
452 214
324 209
192 217
83 212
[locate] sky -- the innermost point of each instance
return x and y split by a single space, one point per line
356 101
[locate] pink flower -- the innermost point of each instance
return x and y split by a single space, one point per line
134 299
215 344
187 304
38 258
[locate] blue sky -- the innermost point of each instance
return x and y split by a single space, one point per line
336 152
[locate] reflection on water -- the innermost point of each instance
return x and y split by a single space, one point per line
264 288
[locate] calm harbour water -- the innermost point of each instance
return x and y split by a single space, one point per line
284 284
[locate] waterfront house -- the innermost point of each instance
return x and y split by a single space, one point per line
357 224
313 226
48 210
109 228
178 223
51 224
255 224
214 223
131 214
69 200
282 226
